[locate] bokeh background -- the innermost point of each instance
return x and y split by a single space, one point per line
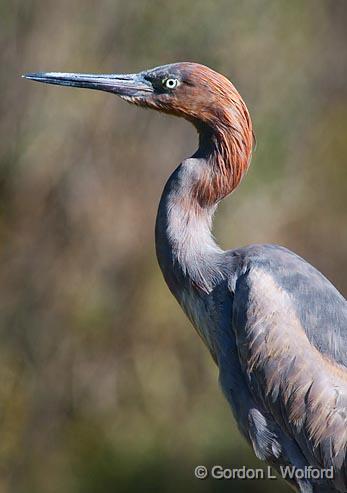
104 386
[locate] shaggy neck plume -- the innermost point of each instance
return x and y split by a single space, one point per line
186 249
227 150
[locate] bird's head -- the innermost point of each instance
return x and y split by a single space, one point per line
186 89
195 92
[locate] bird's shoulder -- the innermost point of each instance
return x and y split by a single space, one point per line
271 278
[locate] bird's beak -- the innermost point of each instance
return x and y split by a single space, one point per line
128 85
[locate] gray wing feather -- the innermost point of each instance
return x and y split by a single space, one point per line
321 309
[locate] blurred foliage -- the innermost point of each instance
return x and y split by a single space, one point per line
104 385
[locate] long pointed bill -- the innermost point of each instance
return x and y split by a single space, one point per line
130 85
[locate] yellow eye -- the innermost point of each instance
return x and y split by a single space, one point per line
170 83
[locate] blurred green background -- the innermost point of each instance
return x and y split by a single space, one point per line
104 385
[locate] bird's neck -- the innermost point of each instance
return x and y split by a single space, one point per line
186 250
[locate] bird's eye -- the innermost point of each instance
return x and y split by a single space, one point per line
170 83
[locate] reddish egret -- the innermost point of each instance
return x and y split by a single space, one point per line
274 325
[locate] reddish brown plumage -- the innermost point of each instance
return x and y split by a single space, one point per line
211 102
227 119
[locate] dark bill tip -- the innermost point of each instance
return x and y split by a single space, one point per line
121 84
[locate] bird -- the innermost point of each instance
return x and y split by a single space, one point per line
274 325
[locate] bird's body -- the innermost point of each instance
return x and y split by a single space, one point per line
275 326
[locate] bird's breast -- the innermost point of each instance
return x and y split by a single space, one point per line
198 309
